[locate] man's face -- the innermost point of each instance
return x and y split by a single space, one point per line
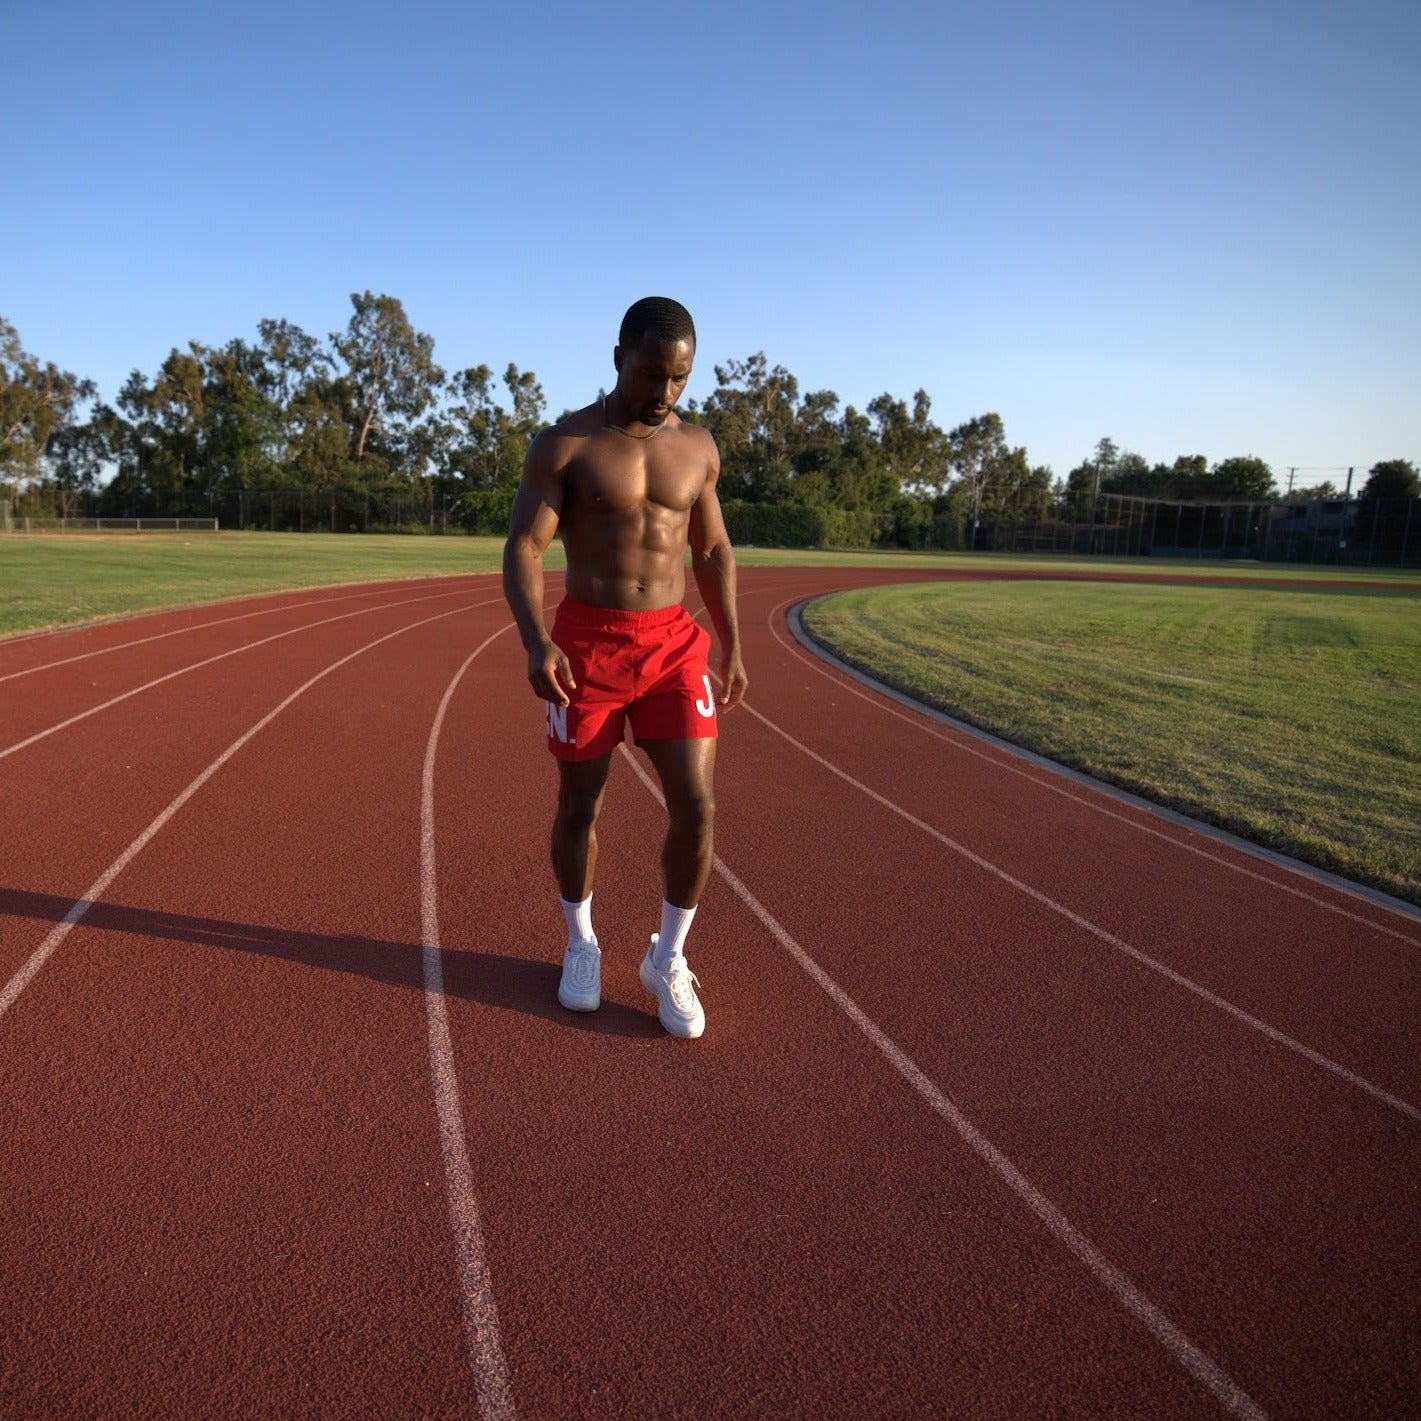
652 375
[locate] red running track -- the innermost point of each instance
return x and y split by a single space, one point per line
1015 1098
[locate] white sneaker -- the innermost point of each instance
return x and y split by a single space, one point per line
581 985
678 1007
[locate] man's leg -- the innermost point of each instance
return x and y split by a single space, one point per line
581 785
686 769
687 772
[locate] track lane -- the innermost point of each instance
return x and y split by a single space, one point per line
715 1190
27 719
25 654
22 656
78 798
968 927
1010 883
256 1002
1139 889
1381 913
898 1279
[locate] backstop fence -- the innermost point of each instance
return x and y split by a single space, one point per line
1344 532
1382 532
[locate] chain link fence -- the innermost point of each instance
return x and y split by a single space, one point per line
1382 532
1340 532
406 509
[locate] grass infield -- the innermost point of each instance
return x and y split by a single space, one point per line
1286 715
1283 713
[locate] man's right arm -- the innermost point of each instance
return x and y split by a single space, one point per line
537 508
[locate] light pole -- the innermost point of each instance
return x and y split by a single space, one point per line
1094 494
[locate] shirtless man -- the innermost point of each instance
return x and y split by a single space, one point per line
627 484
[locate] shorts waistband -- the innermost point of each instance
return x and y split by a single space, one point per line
585 615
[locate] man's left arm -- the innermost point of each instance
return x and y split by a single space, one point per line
713 565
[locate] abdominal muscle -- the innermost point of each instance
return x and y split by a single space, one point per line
633 559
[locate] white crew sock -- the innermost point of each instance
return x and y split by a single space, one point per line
579 920
675 924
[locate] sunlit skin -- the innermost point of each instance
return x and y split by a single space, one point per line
628 488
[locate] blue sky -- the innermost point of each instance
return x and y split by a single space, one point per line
1190 227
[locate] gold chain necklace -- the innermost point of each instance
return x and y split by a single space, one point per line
620 430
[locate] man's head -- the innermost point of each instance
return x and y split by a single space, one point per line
663 317
655 350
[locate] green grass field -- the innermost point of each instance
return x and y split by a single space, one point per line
1286 715
53 580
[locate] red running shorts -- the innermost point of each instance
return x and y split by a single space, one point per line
648 668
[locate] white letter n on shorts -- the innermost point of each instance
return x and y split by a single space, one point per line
557 722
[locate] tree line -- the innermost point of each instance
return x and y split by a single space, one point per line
368 409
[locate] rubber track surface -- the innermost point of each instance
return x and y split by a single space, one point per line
1015 1099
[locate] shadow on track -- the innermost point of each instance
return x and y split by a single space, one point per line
508 983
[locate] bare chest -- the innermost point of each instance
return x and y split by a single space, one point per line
625 477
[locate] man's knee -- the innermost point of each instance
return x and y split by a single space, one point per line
693 815
577 809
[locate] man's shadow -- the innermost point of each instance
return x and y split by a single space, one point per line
508 983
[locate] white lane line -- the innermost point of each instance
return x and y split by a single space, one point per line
162 636
221 656
1195 1361
1144 959
918 716
99 887
491 1383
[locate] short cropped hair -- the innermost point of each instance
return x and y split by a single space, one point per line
663 317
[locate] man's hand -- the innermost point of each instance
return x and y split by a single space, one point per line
733 680
549 672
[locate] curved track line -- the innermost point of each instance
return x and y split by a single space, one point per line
221 656
480 1312
99 887
818 655
1193 1359
162 636
1272 1033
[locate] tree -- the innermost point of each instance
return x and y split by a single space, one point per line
246 429
1187 477
321 435
1131 475
979 454
305 405
1020 493
390 371
79 456
473 444
1242 478
485 444
290 360
815 446
752 415
859 476
165 440
1083 482
915 449
1384 514
1392 478
37 401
